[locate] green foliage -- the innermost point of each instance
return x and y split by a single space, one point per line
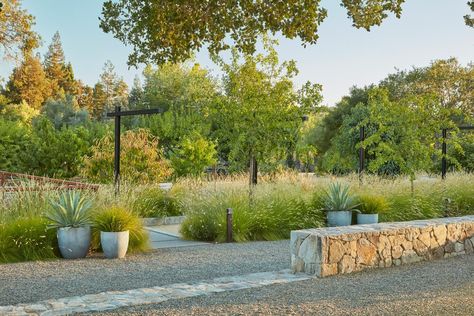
155 202
403 132
25 203
56 153
71 210
16 29
167 31
259 116
403 116
26 239
468 19
65 112
141 159
57 71
28 82
114 90
373 204
20 113
459 197
15 139
339 198
115 219
118 219
274 211
185 94
193 154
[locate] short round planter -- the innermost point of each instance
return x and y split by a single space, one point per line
367 218
114 244
74 242
339 218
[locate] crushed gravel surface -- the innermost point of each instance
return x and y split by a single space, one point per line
34 281
444 287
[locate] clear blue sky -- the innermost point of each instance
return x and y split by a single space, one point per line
343 57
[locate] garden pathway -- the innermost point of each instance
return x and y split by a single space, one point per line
167 236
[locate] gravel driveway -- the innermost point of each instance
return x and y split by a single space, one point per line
436 287
35 281
444 287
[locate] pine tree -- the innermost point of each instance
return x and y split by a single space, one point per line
114 88
69 84
29 83
135 99
85 97
58 72
100 100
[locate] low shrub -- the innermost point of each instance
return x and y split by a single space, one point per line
27 239
116 218
155 202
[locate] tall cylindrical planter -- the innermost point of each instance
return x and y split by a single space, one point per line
367 218
74 242
339 218
114 244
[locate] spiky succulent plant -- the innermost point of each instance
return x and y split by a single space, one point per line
70 210
339 198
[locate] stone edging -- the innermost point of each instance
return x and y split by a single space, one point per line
117 299
337 250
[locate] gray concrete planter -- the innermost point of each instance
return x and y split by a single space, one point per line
339 218
74 242
114 244
367 218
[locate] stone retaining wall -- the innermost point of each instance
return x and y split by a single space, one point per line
336 250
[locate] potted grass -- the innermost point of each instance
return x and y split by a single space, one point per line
114 225
71 217
339 205
370 208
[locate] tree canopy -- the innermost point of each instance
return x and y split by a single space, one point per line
170 31
16 33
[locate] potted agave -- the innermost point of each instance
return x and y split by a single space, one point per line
370 208
339 205
114 225
71 217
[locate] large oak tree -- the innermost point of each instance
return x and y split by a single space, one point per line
16 32
171 30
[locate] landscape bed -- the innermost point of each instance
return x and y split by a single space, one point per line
270 211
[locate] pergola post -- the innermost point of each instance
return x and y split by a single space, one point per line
361 153
117 114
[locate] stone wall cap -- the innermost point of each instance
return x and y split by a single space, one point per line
354 229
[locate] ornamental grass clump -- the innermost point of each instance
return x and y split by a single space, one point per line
373 204
27 239
119 219
273 210
155 202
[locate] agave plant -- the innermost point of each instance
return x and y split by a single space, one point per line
338 198
71 210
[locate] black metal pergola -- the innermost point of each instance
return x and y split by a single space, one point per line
444 163
117 114
443 150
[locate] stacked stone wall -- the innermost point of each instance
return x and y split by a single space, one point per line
338 250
